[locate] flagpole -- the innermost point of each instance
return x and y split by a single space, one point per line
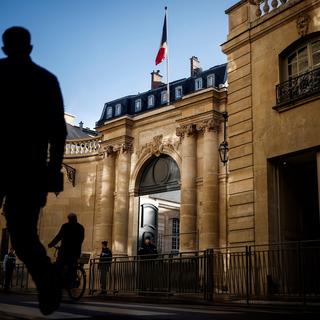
167 58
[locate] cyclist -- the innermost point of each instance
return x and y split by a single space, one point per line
71 235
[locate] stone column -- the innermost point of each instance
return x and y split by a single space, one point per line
121 204
209 220
104 215
188 206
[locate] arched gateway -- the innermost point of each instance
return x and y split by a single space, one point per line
158 189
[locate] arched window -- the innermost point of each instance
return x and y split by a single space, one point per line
303 59
299 72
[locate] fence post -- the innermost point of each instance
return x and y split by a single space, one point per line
301 274
248 273
90 278
208 267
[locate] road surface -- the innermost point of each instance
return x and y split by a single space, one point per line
14 306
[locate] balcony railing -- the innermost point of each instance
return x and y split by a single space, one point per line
300 87
263 7
83 147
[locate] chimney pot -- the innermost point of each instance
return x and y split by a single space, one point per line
156 79
195 66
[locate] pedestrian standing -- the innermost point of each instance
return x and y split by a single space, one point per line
104 265
9 264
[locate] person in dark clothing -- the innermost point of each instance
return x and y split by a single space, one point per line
32 126
148 250
9 264
71 235
104 265
147 266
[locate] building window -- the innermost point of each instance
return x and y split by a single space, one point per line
210 80
300 71
137 105
175 234
164 97
179 92
151 101
109 112
198 84
117 111
304 59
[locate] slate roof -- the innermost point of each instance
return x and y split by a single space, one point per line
188 86
75 133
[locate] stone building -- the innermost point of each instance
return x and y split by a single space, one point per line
153 169
273 50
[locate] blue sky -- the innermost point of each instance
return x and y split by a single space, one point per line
101 50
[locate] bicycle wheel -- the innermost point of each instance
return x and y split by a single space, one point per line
77 286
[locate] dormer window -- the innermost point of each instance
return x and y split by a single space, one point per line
198 84
117 111
137 105
109 112
151 101
164 97
210 80
179 92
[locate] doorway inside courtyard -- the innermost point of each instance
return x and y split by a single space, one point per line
294 198
159 204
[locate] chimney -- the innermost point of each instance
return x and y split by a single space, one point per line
195 66
81 125
156 79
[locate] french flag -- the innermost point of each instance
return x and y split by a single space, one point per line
163 45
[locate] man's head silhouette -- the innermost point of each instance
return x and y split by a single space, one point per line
17 42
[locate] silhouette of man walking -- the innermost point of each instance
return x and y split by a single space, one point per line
32 138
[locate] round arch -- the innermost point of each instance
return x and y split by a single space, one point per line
158 174
144 160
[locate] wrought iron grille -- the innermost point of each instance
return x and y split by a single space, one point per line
299 87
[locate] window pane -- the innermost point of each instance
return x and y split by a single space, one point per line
316 46
303 53
210 81
150 101
303 66
164 96
316 59
109 112
292 70
292 58
138 105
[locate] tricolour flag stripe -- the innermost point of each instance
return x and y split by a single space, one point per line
163 45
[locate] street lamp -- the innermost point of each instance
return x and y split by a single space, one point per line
224 147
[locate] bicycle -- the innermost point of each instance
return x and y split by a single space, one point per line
74 281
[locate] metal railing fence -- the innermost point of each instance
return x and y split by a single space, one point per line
270 272
273 271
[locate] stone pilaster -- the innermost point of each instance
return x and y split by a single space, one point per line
188 208
121 205
209 220
104 215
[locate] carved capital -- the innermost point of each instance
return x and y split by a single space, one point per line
208 125
126 147
109 150
302 23
188 130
